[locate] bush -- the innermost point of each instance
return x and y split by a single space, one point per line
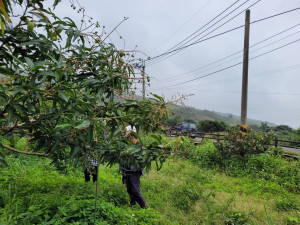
206 154
33 192
244 155
185 196
211 126
286 205
274 168
237 145
236 218
182 147
290 220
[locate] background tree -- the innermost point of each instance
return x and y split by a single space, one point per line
211 126
264 127
190 121
58 86
172 121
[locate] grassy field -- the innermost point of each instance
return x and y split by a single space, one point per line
184 192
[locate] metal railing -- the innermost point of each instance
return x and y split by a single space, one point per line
277 141
220 137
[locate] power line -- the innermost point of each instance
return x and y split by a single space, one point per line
195 14
297 66
184 47
205 25
253 92
283 69
258 74
182 77
213 29
182 44
226 57
225 32
236 64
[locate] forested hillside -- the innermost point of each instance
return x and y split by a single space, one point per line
198 115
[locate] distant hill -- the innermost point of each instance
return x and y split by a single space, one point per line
198 115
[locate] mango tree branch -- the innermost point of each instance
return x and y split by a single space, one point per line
22 152
177 139
125 18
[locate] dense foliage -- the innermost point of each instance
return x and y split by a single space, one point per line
211 126
235 144
249 155
58 86
32 191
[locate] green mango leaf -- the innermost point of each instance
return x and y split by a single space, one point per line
29 62
2 161
157 97
19 61
63 96
83 124
2 9
75 151
49 73
20 108
2 27
63 125
156 137
117 131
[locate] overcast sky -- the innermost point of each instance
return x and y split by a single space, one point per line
157 25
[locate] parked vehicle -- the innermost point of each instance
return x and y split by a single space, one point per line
186 127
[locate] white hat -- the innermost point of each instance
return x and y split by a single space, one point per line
131 128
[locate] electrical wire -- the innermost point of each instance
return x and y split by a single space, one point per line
225 32
182 75
205 24
252 92
226 68
283 69
210 31
195 14
182 43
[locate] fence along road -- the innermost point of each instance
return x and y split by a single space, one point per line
199 136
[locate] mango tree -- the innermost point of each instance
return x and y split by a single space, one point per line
62 86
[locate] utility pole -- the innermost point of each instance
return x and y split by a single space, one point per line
141 67
143 74
245 75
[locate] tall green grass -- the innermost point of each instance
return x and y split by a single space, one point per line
266 166
191 188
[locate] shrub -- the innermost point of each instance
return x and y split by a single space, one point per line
274 168
32 192
206 154
245 155
184 148
237 145
286 205
211 126
185 195
290 220
236 218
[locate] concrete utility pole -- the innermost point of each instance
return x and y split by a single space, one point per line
245 75
141 67
143 74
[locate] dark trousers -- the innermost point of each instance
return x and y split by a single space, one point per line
88 172
133 188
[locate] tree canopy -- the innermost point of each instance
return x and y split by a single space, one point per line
59 82
211 126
